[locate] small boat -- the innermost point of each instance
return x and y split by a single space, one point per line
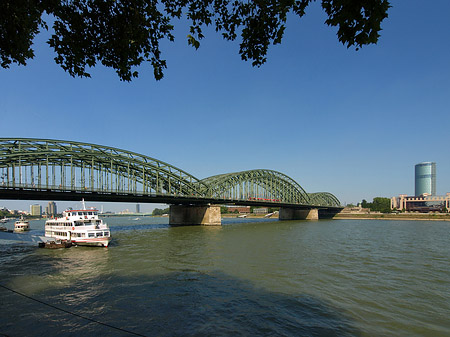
82 227
21 225
4 220
242 216
56 244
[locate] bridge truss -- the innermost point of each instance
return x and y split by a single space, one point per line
65 170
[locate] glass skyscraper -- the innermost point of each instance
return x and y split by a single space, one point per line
425 178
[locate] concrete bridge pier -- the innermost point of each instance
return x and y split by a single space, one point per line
207 215
298 214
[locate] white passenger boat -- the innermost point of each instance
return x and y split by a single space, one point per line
21 225
82 227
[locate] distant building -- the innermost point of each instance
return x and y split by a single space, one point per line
51 210
424 203
239 209
36 210
260 210
425 179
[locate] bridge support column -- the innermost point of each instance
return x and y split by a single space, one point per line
329 213
207 215
298 214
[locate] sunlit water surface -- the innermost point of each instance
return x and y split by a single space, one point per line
248 278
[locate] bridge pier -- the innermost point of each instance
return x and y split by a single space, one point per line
207 215
298 214
329 213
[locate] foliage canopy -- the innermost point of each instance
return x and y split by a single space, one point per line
122 34
379 204
158 211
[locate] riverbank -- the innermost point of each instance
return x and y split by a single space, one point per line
369 216
252 216
393 216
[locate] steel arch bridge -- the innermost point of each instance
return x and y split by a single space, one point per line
44 169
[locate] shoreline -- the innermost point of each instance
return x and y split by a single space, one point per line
378 216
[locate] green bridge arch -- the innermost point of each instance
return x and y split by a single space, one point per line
266 185
67 166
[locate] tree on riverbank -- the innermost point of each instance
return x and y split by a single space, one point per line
158 211
378 204
123 34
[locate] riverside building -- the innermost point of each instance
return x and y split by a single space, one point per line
425 199
424 203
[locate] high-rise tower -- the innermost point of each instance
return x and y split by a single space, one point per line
425 178
51 208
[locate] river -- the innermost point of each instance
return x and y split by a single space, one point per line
248 277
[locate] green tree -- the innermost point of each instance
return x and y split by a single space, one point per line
365 204
158 211
122 34
382 205
379 204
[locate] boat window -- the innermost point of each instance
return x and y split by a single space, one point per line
90 213
91 235
80 213
95 213
106 233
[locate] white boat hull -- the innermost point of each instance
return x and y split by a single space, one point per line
93 242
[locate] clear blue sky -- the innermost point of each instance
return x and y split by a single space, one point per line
350 123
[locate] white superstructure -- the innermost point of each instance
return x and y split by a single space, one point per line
21 225
82 227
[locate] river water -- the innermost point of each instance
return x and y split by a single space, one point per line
245 278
